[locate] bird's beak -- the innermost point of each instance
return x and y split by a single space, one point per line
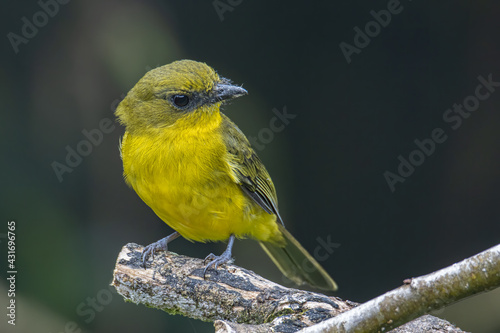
225 91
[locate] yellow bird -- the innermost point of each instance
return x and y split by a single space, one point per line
197 171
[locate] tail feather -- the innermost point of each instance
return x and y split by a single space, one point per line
297 264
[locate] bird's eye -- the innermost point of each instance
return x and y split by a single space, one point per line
180 100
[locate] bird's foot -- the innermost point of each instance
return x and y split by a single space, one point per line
161 245
151 249
215 261
225 257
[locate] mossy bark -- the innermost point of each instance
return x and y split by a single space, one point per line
238 300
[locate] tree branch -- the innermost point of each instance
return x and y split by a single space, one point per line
175 284
238 300
420 295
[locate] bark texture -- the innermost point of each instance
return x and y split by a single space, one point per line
238 300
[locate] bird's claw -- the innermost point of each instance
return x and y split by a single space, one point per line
151 249
216 261
210 257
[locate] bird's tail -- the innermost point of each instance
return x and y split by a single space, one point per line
297 264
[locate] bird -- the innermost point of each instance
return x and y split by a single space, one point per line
199 173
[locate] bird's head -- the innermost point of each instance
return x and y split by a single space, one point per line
168 93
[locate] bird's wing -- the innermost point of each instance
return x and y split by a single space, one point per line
248 170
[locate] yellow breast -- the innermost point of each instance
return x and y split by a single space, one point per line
182 173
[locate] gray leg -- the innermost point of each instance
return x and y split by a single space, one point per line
161 245
222 259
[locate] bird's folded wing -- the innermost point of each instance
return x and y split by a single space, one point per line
248 170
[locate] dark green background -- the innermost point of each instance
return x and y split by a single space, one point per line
352 122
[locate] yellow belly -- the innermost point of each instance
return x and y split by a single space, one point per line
187 182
